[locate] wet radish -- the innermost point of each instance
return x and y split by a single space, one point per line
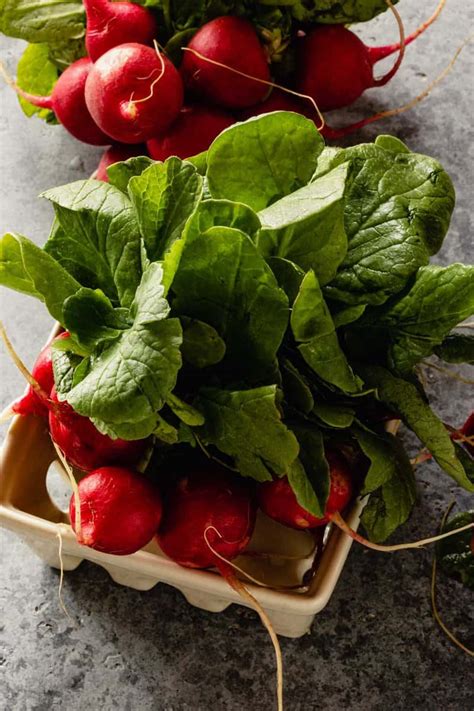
133 93
112 23
120 511
115 154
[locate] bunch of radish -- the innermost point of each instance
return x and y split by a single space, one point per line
128 92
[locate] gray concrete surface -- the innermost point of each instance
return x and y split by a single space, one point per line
375 646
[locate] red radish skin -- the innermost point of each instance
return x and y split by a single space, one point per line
84 446
193 132
31 403
120 511
231 41
115 154
334 67
133 93
277 500
68 103
205 512
112 23
467 430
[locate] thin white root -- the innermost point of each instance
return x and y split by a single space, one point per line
401 52
434 606
337 519
261 81
6 415
61 575
75 489
240 588
155 81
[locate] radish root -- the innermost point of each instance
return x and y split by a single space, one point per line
260 81
61 575
335 133
235 567
434 606
337 519
401 53
75 489
133 101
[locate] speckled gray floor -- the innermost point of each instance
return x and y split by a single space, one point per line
375 646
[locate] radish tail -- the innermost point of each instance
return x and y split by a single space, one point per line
61 575
401 46
434 606
42 102
337 133
75 489
337 519
378 53
247 596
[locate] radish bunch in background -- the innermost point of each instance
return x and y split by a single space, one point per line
128 92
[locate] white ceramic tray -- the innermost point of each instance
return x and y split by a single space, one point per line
27 509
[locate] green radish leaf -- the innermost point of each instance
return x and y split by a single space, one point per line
296 388
313 329
49 21
120 174
309 474
186 413
246 425
64 366
288 275
404 398
262 160
164 196
202 345
96 238
164 431
131 379
223 281
333 415
454 554
226 213
456 348
397 212
338 11
28 269
419 320
307 226
390 481
36 74
91 318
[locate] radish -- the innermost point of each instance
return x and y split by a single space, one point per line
334 67
206 513
120 511
193 132
233 42
68 103
133 93
115 154
83 445
112 23
33 403
208 519
278 501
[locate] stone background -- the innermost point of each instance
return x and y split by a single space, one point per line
376 645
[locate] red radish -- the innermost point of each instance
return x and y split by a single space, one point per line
68 103
205 512
193 132
114 154
231 41
334 67
120 510
31 403
467 432
277 101
133 92
84 446
278 501
112 23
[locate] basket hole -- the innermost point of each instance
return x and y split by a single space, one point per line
58 486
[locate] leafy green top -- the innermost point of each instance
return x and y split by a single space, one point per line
265 315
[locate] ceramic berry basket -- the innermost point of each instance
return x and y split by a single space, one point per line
28 458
